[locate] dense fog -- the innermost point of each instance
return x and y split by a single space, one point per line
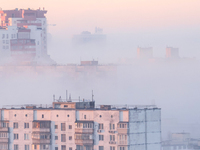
173 85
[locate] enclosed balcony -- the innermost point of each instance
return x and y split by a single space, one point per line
3 140
4 126
84 127
41 141
41 126
122 128
84 142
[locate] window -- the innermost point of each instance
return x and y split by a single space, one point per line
56 137
65 106
63 147
16 137
26 147
26 125
112 126
70 126
3 36
70 137
122 125
112 148
16 147
42 116
26 136
122 148
101 137
15 125
84 116
56 126
70 148
56 115
112 137
62 126
67 115
101 148
101 126
56 148
63 138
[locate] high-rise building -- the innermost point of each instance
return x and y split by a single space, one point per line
145 53
172 52
69 125
23 35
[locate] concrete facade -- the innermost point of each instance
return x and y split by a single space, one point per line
66 125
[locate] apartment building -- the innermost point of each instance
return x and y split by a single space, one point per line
145 53
23 34
81 125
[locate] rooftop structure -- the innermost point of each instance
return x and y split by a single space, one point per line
80 125
23 35
87 38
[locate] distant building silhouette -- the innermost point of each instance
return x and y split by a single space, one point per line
23 35
87 37
145 53
172 52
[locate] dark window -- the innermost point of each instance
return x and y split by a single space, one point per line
101 148
15 125
63 127
84 116
70 126
26 125
16 136
63 137
70 148
56 126
70 137
101 137
63 147
101 126
56 148
56 137
16 147
42 116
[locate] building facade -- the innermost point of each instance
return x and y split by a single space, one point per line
67 125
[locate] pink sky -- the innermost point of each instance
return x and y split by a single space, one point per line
114 15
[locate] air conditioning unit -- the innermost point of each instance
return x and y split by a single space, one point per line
112 142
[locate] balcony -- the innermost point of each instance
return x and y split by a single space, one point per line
3 140
122 143
2 129
84 130
41 129
122 130
112 142
111 131
41 141
84 142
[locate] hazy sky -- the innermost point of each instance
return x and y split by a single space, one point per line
128 24
114 15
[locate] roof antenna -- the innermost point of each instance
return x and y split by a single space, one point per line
92 96
54 98
70 97
66 95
